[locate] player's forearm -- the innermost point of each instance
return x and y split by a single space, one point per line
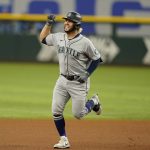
94 64
45 31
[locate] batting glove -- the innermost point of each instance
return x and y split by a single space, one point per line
50 20
83 77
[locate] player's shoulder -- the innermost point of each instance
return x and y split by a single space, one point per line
59 34
86 39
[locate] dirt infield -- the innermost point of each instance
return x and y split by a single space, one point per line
83 135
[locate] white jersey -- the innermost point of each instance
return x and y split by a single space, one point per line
74 55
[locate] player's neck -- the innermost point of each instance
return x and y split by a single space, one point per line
72 35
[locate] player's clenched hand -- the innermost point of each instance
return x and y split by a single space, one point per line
50 20
83 77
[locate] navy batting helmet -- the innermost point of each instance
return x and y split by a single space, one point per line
74 16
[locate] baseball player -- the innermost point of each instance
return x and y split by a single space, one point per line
78 58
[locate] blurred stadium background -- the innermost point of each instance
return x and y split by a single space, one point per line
120 30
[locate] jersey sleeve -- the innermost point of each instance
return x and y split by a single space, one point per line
50 40
54 39
91 51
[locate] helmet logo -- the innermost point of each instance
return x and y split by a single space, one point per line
69 15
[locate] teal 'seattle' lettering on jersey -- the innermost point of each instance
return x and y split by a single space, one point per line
69 51
74 55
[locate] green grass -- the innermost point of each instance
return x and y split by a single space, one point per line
26 91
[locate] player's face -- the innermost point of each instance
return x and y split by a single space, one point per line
69 26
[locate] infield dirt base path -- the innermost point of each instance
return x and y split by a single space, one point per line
83 135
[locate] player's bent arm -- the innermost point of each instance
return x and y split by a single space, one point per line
94 64
45 32
47 28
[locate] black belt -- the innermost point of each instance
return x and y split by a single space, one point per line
71 78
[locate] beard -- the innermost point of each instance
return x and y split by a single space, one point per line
72 29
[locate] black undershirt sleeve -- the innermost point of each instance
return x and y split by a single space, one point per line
44 41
